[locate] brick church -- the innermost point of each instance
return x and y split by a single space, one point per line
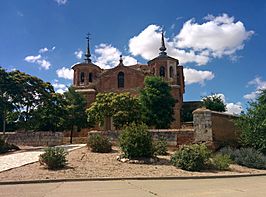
90 79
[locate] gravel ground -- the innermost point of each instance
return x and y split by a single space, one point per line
82 163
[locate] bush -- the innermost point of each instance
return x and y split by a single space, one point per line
160 147
54 158
221 161
5 147
136 141
191 157
99 143
248 157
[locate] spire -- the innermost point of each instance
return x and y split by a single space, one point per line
88 53
121 60
162 48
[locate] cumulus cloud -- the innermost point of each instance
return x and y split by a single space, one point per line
78 54
39 60
43 50
65 73
259 85
59 87
107 56
220 35
231 108
61 2
195 43
197 76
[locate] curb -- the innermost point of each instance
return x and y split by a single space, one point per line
128 178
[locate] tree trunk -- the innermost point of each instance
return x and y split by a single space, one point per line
71 134
4 122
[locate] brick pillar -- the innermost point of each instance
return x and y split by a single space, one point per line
202 125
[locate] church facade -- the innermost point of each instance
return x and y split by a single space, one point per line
89 79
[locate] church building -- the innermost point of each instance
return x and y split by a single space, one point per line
90 79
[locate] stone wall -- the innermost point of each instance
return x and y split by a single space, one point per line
173 137
29 138
214 127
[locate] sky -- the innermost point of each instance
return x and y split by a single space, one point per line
221 44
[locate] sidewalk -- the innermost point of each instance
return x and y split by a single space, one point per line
15 160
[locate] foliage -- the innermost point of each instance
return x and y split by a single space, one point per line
122 107
157 103
214 102
136 141
249 157
253 124
54 158
191 157
27 102
6 147
99 143
160 147
221 161
75 111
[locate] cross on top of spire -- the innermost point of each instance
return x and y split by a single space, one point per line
88 53
162 48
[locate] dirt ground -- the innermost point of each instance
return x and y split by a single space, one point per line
82 163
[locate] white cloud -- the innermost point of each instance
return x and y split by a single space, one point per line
197 76
59 87
259 85
220 35
32 59
107 56
65 73
61 2
148 42
231 108
39 60
234 108
78 54
43 50
44 63
195 43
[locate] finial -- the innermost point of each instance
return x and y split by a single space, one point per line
88 53
162 48
121 60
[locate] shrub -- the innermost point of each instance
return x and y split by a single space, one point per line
136 141
5 147
99 143
228 151
54 158
191 157
160 147
250 157
221 161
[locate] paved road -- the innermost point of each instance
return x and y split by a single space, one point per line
233 187
19 159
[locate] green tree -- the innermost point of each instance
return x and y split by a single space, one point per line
76 111
253 124
122 107
214 102
157 103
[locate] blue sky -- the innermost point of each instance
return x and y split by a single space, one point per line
221 44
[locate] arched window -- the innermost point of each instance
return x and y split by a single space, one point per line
82 76
121 80
90 77
162 71
171 71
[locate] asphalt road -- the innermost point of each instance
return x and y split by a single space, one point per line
233 187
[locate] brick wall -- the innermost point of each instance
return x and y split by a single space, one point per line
29 138
173 137
215 127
